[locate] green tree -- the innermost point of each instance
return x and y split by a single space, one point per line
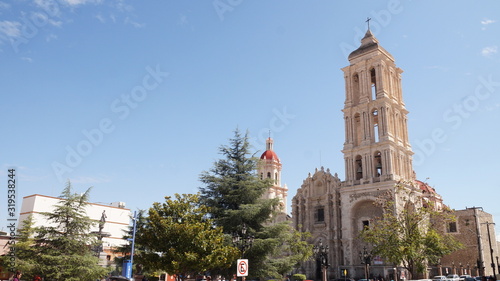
410 236
23 249
234 193
180 239
61 248
232 189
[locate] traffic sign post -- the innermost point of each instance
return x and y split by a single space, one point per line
242 268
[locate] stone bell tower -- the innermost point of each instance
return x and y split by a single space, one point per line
376 144
377 152
270 167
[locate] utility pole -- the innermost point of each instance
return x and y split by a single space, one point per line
491 249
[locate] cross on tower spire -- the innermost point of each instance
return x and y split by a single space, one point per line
368 19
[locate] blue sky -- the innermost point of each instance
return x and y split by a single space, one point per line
135 97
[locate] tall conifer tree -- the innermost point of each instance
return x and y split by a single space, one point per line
62 248
234 193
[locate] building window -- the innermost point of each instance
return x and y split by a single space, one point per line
373 84
375 125
320 215
452 227
366 224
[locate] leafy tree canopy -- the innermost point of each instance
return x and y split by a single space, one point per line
179 238
410 236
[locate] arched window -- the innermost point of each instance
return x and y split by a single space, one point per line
373 83
375 125
275 178
268 175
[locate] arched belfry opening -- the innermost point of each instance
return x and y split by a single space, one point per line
375 125
373 80
378 163
359 167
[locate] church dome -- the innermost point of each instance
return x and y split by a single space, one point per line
425 187
269 155
368 44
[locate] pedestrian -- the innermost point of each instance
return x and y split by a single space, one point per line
17 276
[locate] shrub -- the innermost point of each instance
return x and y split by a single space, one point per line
299 277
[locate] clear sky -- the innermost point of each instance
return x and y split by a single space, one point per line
135 97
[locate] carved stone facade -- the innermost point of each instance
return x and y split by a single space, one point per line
377 156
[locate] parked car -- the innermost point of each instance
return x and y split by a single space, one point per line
452 277
462 277
439 278
118 278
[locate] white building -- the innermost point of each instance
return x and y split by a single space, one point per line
117 218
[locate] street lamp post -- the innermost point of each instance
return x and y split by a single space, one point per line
366 259
243 242
321 253
130 274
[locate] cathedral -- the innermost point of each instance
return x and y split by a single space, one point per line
378 161
377 157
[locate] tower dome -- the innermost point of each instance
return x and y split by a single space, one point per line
369 44
269 154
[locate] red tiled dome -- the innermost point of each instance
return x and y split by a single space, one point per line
269 155
425 187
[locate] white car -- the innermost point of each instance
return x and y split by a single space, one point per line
452 277
439 278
